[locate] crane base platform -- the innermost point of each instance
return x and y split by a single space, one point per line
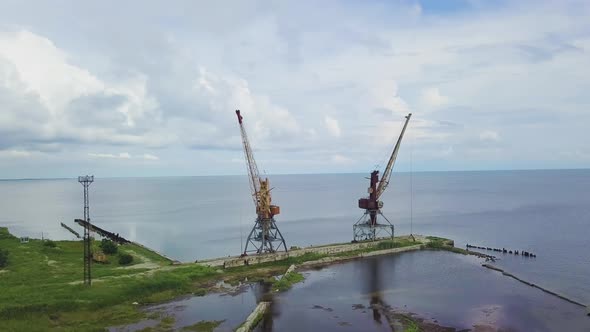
364 230
264 237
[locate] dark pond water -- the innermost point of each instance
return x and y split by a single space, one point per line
449 289
452 289
232 308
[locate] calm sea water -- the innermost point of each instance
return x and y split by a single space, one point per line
188 218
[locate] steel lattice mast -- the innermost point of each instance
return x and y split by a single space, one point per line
265 235
367 227
86 181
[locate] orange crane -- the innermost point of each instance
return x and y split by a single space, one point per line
265 236
368 227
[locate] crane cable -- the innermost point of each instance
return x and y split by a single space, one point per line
412 185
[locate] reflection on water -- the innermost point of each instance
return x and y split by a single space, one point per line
232 308
372 279
266 295
451 289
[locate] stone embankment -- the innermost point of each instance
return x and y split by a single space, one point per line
332 250
254 317
289 270
335 259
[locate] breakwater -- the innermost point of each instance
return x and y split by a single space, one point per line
563 297
255 317
336 252
503 250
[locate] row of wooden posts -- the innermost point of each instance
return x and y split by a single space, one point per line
503 250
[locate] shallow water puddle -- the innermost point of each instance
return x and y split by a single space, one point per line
227 310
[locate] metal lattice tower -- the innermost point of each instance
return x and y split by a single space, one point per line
264 237
86 181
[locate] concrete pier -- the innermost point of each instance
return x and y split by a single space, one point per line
332 249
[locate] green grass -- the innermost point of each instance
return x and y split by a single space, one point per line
438 243
147 253
203 326
397 243
381 245
287 281
436 238
412 327
257 320
40 288
409 323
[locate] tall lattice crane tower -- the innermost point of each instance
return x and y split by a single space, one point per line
86 181
368 227
265 236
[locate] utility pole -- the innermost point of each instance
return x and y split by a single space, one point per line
86 181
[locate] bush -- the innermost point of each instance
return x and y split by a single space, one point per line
49 244
125 259
4 234
108 247
3 258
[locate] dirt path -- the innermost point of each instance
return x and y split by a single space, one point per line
146 263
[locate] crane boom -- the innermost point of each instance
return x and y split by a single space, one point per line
253 175
387 173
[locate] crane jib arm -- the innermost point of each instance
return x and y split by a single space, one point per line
387 173
253 176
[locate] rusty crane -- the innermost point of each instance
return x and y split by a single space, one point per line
368 227
265 236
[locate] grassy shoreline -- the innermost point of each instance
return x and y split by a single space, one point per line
40 287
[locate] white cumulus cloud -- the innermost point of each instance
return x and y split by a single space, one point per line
174 87
148 156
15 154
489 136
432 98
332 126
385 96
340 159
122 155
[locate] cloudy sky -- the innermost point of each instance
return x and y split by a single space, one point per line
141 88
